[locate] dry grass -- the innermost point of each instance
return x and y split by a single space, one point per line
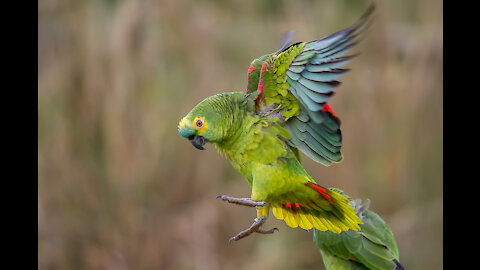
120 189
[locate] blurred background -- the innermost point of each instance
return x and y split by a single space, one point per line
119 188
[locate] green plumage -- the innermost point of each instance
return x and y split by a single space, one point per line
283 111
258 147
373 247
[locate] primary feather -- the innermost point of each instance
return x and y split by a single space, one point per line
297 82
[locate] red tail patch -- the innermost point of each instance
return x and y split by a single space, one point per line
292 205
320 190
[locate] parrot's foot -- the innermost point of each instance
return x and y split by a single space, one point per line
242 201
258 222
357 205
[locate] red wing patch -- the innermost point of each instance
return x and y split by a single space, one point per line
250 69
320 190
260 83
329 109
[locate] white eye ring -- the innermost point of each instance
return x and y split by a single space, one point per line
199 123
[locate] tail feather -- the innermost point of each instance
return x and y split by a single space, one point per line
328 212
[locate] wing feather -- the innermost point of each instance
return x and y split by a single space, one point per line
324 76
372 247
300 79
329 65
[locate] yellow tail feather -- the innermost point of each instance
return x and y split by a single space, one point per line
321 220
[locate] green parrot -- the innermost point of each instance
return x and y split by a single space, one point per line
373 247
283 111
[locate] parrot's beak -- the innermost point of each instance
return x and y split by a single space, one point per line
197 141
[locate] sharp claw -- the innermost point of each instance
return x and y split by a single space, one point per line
230 240
255 227
258 222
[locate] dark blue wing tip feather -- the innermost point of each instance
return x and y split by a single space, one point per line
399 266
361 25
287 37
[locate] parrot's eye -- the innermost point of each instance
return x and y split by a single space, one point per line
199 123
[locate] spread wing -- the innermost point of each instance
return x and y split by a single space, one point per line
294 84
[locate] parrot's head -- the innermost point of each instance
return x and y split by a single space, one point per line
206 122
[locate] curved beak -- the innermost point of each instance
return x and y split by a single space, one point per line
197 141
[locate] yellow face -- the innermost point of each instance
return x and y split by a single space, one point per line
199 124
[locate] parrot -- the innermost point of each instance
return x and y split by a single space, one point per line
372 247
282 112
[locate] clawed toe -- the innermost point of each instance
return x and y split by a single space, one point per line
262 231
258 222
255 227
241 201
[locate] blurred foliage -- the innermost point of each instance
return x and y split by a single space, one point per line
118 188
